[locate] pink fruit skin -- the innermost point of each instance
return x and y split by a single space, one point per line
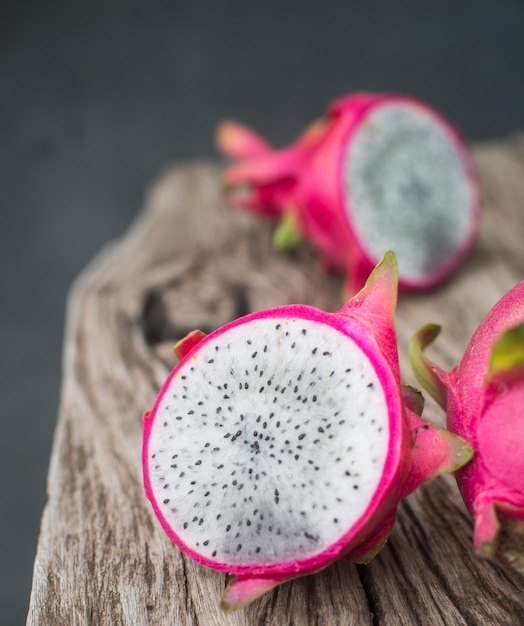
487 409
417 451
305 181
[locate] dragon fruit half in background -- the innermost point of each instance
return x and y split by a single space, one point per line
284 441
484 399
377 173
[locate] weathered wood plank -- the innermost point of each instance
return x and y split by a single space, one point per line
190 261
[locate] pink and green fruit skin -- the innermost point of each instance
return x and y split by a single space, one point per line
484 400
383 450
378 172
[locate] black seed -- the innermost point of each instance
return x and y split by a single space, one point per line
310 536
370 385
228 528
239 547
199 462
174 466
314 351
261 390
320 429
355 486
219 409
166 501
214 553
254 354
211 361
178 417
335 520
185 524
227 435
182 474
246 386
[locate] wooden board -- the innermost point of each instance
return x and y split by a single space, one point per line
190 261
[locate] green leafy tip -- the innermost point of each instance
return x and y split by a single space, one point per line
507 356
430 376
287 235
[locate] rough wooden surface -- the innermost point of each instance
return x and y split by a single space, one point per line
190 261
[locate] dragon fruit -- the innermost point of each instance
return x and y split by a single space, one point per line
484 400
284 441
377 173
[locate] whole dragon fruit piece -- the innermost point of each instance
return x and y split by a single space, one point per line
377 173
484 399
284 441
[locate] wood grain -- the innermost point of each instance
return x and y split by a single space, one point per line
190 261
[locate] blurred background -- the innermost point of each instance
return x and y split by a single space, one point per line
99 97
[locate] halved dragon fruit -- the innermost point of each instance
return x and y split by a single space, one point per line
379 172
484 399
284 441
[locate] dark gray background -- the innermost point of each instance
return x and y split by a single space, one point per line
97 97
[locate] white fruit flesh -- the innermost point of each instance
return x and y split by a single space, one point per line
269 443
407 189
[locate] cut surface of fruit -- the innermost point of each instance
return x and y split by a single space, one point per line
284 451
405 180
